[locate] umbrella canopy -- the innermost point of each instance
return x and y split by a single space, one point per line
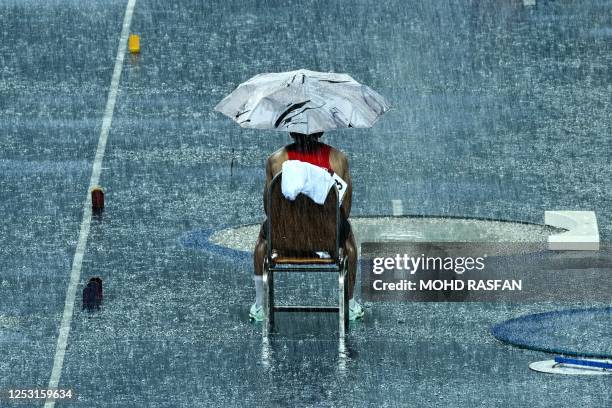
303 101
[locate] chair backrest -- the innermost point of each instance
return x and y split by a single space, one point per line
302 226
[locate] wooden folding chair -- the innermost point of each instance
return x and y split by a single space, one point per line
296 230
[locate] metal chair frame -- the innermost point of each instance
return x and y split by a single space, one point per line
339 266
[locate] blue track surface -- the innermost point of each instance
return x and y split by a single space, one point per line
200 240
576 332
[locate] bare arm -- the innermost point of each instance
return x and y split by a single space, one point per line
347 200
274 165
340 165
269 177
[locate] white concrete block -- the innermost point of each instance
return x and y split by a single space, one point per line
398 207
582 232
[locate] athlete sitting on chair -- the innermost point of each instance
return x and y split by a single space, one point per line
307 148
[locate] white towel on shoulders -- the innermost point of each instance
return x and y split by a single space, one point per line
301 177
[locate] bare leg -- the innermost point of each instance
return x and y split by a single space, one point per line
259 254
350 249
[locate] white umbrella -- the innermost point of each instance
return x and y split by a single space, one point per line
303 101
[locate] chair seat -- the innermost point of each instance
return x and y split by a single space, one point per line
303 260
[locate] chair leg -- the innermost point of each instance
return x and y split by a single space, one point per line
267 301
268 281
271 301
343 311
346 294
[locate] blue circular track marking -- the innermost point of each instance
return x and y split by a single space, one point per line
200 240
573 332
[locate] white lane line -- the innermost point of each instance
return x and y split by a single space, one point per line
75 274
397 207
529 2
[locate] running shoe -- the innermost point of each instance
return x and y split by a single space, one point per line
356 312
256 313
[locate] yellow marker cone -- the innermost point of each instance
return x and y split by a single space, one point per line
134 44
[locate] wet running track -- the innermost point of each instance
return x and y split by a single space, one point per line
500 111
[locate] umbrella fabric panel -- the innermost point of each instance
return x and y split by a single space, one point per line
303 101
